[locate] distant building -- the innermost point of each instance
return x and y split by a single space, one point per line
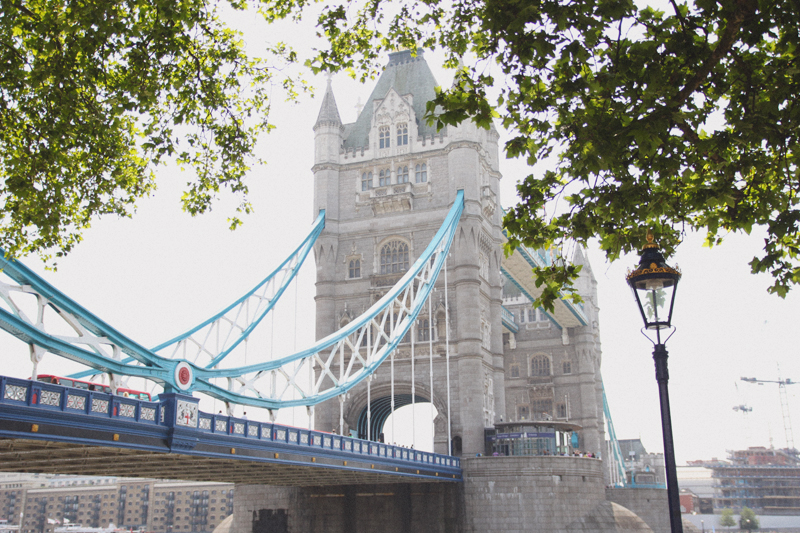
698 481
765 480
41 504
642 468
690 502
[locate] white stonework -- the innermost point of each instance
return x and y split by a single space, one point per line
386 183
369 178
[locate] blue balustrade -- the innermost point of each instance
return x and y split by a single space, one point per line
179 413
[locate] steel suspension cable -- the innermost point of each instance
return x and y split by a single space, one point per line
447 351
430 350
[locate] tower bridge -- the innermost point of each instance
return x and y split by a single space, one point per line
415 302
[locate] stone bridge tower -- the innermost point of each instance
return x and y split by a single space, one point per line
387 182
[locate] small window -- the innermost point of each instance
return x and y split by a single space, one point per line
421 173
524 413
543 409
366 181
531 315
394 257
567 367
540 366
423 329
354 269
383 137
561 410
402 135
384 178
514 371
522 316
402 175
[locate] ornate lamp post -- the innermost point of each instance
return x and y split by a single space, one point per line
654 284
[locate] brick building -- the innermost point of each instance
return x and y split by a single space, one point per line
43 503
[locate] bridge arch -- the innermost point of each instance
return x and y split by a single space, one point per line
380 410
380 395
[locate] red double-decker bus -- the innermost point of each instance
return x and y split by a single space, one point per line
88 385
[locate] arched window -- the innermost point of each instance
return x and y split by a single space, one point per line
366 181
402 134
423 329
543 409
394 257
483 261
354 269
384 178
421 173
540 365
383 137
441 324
402 175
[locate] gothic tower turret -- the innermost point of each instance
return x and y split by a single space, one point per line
386 191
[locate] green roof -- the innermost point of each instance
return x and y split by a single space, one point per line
406 74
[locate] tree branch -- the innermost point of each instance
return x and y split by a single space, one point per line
744 8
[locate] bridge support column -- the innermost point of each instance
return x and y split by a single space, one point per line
390 508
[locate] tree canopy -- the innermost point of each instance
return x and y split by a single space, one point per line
678 117
726 518
94 94
748 519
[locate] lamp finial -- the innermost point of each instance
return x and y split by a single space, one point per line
650 241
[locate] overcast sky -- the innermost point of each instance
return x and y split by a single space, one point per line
161 272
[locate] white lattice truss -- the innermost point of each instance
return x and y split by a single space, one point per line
330 368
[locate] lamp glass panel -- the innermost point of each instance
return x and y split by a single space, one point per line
655 301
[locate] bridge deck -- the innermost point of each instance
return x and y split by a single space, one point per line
53 429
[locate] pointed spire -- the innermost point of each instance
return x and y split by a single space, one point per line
329 112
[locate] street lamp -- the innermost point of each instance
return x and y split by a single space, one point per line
654 284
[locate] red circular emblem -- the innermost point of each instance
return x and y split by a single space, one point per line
184 375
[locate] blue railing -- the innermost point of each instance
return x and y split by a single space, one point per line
175 411
509 321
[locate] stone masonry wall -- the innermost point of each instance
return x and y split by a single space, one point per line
392 508
526 493
650 504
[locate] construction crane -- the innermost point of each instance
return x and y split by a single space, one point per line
787 421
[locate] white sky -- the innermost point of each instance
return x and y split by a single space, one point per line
161 272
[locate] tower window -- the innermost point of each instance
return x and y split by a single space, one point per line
542 409
423 329
421 173
540 365
394 257
366 181
384 178
402 175
567 367
402 134
383 137
354 270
